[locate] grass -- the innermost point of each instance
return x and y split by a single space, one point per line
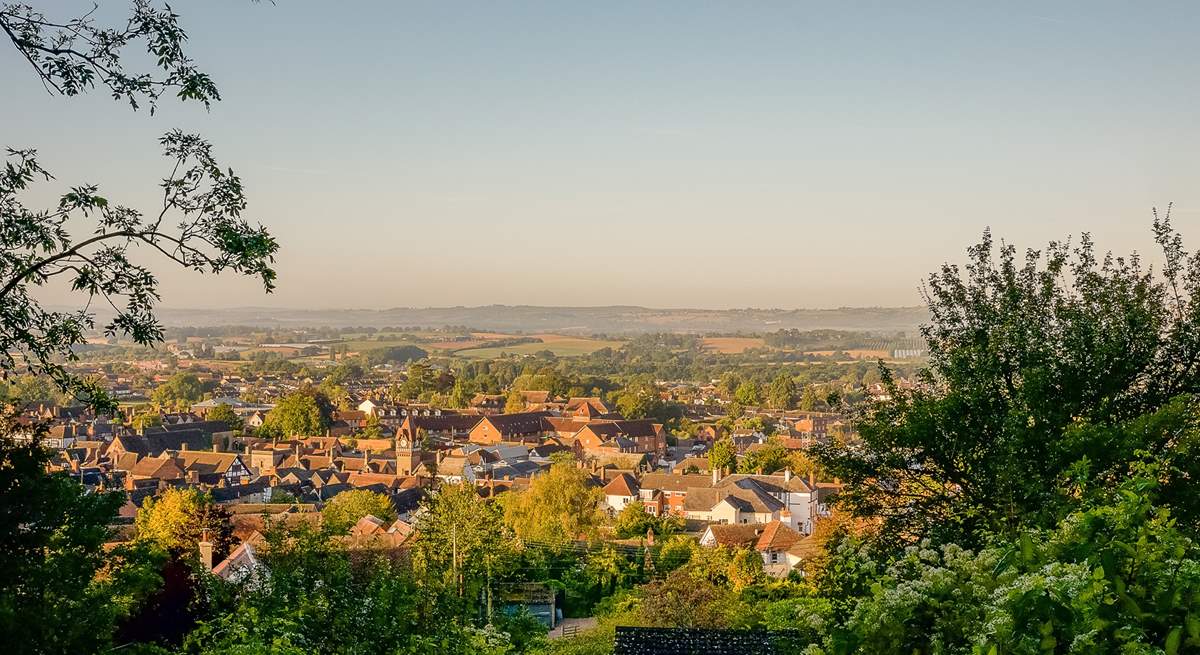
560 345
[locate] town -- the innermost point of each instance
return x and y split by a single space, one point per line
393 328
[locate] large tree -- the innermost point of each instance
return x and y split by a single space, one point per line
1036 363
560 506
86 239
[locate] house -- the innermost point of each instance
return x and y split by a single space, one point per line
448 427
535 397
153 444
795 492
587 408
778 544
211 467
521 427
489 402
241 564
620 491
642 436
162 467
668 492
742 501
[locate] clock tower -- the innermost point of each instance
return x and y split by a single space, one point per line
408 453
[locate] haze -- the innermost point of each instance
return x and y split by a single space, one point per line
675 155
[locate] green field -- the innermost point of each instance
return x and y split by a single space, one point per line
557 344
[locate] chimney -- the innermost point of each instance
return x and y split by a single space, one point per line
716 476
193 476
183 446
812 479
206 552
787 475
247 449
216 447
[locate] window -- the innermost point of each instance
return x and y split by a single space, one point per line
774 557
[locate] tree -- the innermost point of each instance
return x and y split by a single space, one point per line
304 412
372 428
1116 576
346 508
782 392
515 403
748 393
560 506
198 225
810 398
178 519
722 456
180 390
771 457
1021 355
633 521
61 591
147 419
225 414
464 545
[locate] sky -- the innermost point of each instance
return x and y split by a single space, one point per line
665 154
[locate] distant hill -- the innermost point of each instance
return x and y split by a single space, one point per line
580 320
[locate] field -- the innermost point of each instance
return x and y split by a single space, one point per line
732 345
560 345
855 353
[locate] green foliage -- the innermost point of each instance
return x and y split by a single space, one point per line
748 393
560 506
180 390
1021 354
722 456
207 201
395 355
464 546
225 414
179 518
1116 576
633 521
782 392
306 412
772 456
27 389
145 420
346 508
61 591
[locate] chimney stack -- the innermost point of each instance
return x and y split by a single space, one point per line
812 479
787 475
206 552
183 446
716 476
216 447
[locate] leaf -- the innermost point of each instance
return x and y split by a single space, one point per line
1172 644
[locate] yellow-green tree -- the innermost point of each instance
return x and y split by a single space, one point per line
348 507
177 520
561 505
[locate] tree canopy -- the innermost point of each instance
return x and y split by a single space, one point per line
346 508
1038 364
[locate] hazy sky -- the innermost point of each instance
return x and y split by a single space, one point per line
675 154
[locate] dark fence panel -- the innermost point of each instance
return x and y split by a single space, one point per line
695 641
